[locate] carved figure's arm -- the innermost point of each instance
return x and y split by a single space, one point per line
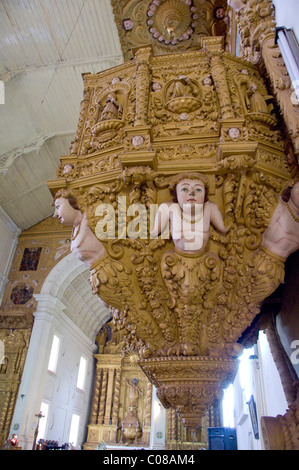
161 220
217 218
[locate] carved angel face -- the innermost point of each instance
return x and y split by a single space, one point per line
64 212
190 192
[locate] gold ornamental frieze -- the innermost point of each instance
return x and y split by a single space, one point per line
160 132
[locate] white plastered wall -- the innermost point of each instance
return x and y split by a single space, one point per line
58 390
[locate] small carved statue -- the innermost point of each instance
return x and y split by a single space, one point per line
112 108
255 102
182 86
102 338
133 394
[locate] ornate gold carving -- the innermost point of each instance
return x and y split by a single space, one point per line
122 397
281 85
168 25
281 432
190 385
255 21
11 367
212 111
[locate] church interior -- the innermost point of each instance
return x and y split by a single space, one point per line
110 337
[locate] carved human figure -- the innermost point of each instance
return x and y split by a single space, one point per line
112 108
190 214
255 101
182 86
282 235
102 338
133 393
266 268
84 244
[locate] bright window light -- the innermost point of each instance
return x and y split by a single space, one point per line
82 373
54 354
245 373
44 408
73 437
228 407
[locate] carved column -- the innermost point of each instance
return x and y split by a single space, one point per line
172 425
215 50
148 405
103 397
116 393
142 85
109 395
95 396
83 108
255 21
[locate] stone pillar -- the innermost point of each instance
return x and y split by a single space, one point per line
35 369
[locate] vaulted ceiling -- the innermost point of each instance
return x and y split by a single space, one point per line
45 46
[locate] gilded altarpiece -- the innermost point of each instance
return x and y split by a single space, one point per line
122 398
121 413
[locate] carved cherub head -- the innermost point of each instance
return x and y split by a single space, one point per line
66 207
69 195
188 176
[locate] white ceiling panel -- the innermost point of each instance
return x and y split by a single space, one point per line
45 46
